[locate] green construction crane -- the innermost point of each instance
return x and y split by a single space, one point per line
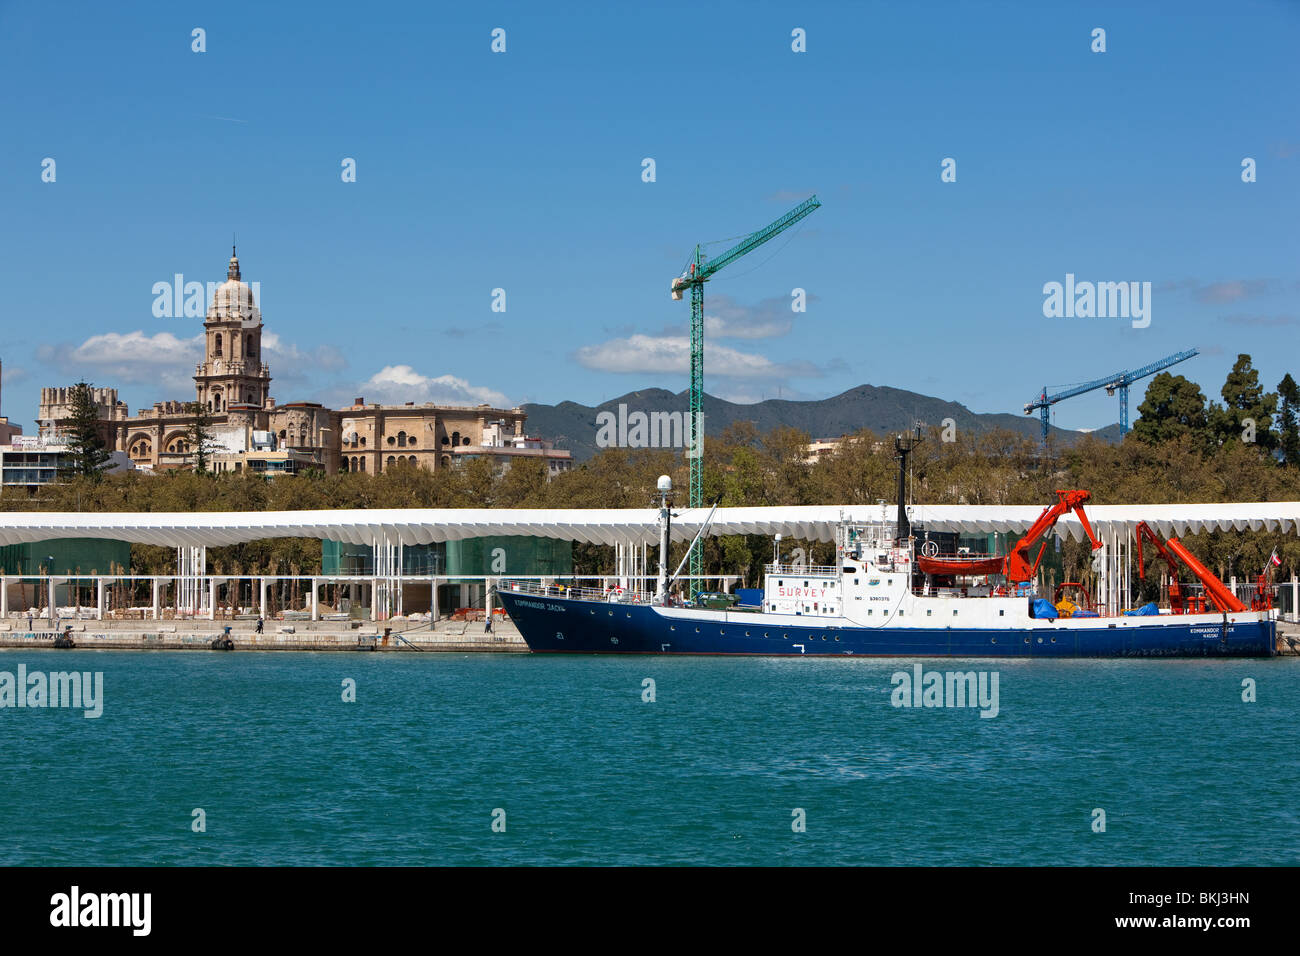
698 271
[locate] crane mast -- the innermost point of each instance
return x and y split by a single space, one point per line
698 271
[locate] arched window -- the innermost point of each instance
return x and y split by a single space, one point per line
251 348
391 461
401 439
446 460
455 438
363 464
216 344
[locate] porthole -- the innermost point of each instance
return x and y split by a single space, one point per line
995 640
786 636
672 627
766 634
837 637
1026 640
1053 638
697 630
747 633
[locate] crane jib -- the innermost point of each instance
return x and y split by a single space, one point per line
756 239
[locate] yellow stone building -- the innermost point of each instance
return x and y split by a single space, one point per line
249 431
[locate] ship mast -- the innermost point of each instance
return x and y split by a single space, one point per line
903 445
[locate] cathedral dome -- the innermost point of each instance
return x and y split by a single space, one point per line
233 299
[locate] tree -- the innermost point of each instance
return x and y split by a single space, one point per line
1247 413
1174 406
199 436
1287 425
87 452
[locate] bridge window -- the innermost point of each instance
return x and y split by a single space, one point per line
216 344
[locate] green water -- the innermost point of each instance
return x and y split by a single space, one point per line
587 772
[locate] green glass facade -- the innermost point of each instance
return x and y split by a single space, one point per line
69 556
472 557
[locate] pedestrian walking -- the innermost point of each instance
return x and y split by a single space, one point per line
259 625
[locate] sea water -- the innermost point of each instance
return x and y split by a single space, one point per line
446 759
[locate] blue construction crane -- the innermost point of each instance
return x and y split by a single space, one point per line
1119 382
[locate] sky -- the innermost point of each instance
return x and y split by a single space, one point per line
524 171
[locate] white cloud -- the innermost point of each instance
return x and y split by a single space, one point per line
672 354
166 361
726 318
133 357
395 384
285 356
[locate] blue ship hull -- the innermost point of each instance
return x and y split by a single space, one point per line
555 624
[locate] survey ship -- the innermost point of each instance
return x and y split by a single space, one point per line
887 597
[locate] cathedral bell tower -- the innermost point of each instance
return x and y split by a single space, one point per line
232 372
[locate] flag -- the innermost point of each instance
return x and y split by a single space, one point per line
1274 559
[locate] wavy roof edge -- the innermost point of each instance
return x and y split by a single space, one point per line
612 525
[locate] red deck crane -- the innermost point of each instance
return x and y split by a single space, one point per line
1016 566
1222 598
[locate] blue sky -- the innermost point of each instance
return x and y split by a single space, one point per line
522 171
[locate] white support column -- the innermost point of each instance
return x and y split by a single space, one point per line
50 588
315 599
157 595
99 599
4 597
433 600
1295 598
261 597
212 599
374 598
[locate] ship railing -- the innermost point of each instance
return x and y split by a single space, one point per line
794 570
611 595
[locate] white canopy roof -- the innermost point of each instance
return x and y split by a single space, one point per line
611 525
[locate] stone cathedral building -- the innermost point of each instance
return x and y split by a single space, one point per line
250 431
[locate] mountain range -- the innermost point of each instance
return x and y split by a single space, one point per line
879 408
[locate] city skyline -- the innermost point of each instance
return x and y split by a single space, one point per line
523 171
